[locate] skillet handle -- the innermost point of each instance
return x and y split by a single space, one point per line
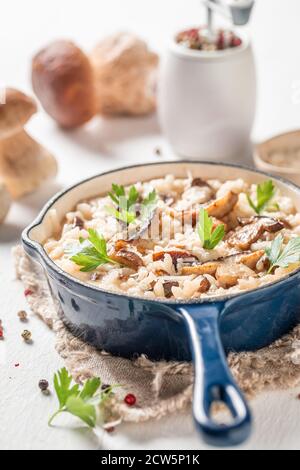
213 379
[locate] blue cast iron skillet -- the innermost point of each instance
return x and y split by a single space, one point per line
201 330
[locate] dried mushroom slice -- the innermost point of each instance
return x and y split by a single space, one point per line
168 288
175 255
205 268
243 237
251 259
127 258
223 205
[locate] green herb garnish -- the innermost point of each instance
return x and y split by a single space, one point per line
150 199
283 256
209 237
125 204
264 193
122 214
80 401
118 196
93 252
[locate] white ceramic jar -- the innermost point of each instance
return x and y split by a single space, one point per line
207 101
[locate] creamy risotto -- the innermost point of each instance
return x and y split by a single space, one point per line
184 238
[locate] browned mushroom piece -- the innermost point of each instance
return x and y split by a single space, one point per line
127 258
63 80
141 244
204 268
204 285
252 230
230 271
24 163
175 255
251 259
168 288
223 205
200 182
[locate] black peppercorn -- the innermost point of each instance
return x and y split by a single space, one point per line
43 385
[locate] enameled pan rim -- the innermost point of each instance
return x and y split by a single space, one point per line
78 283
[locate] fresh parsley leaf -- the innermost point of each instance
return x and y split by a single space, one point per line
122 215
264 193
283 256
93 252
85 411
79 400
132 196
118 196
150 199
209 237
125 205
62 385
90 388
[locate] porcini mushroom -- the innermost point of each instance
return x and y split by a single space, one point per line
119 77
24 163
63 80
125 71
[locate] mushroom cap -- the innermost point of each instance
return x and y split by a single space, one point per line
126 75
15 112
63 80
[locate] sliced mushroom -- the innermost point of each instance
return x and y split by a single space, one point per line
127 258
251 231
141 244
175 255
199 182
204 285
229 272
251 259
222 206
168 288
205 268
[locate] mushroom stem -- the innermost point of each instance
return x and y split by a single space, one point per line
24 163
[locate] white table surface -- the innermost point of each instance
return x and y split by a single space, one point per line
25 27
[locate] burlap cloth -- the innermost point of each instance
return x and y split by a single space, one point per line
162 387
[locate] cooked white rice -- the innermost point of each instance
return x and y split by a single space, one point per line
151 278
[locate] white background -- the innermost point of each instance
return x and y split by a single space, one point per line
25 27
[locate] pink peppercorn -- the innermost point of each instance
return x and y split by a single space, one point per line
28 292
235 42
130 399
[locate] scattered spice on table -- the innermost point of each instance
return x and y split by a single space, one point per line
130 399
28 292
27 336
105 386
158 151
17 365
110 430
22 315
80 400
44 386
